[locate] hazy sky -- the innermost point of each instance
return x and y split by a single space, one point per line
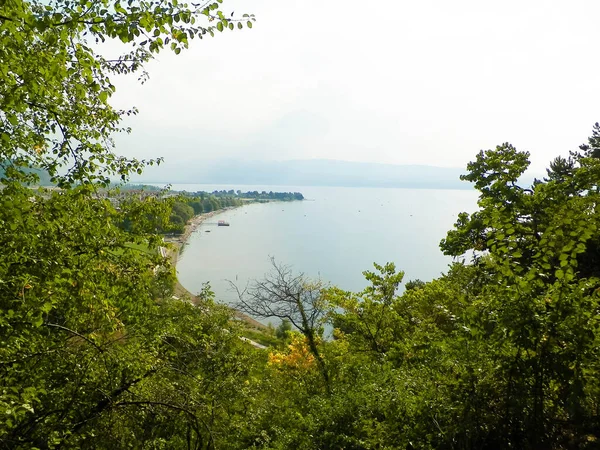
406 82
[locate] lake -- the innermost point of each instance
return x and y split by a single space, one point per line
335 234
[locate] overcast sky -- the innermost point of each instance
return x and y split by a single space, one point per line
404 82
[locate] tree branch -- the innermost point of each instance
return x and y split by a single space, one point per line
89 341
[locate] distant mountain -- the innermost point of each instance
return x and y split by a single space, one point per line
314 172
44 177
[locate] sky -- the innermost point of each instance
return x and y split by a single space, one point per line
401 82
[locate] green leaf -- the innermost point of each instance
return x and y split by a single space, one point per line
569 276
220 26
37 321
249 24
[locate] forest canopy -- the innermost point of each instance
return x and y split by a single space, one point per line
96 352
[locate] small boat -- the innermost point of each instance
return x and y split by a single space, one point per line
222 223
207 231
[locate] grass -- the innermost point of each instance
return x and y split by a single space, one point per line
268 340
141 247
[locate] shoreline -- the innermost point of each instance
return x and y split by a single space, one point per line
192 225
177 244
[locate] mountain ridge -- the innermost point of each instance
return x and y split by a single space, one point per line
308 172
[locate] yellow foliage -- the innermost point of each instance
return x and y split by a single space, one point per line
297 356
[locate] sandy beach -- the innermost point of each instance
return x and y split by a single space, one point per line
194 223
177 243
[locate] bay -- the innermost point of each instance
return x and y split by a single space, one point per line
336 234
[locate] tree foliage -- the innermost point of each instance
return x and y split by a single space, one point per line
96 352
55 80
292 297
500 353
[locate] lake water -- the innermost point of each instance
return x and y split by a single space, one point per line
336 234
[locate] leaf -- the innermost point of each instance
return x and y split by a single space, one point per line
37 321
569 276
249 24
220 26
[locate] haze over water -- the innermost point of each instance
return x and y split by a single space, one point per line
336 234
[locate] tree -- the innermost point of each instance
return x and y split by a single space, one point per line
541 257
183 210
73 284
414 284
369 314
592 148
94 352
207 205
196 206
55 83
287 296
282 330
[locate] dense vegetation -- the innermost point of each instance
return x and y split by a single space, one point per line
263 195
42 178
186 207
502 352
255 195
182 206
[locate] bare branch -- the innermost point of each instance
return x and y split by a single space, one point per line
89 341
283 295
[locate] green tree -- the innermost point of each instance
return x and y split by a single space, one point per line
288 296
196 206
414 284
183 210
282 330
207 205
541 245
55 84
94 351
369 314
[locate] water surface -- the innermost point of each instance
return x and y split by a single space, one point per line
336 234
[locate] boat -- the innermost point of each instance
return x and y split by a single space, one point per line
222 223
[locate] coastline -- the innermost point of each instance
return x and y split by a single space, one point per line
177 243
193 224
